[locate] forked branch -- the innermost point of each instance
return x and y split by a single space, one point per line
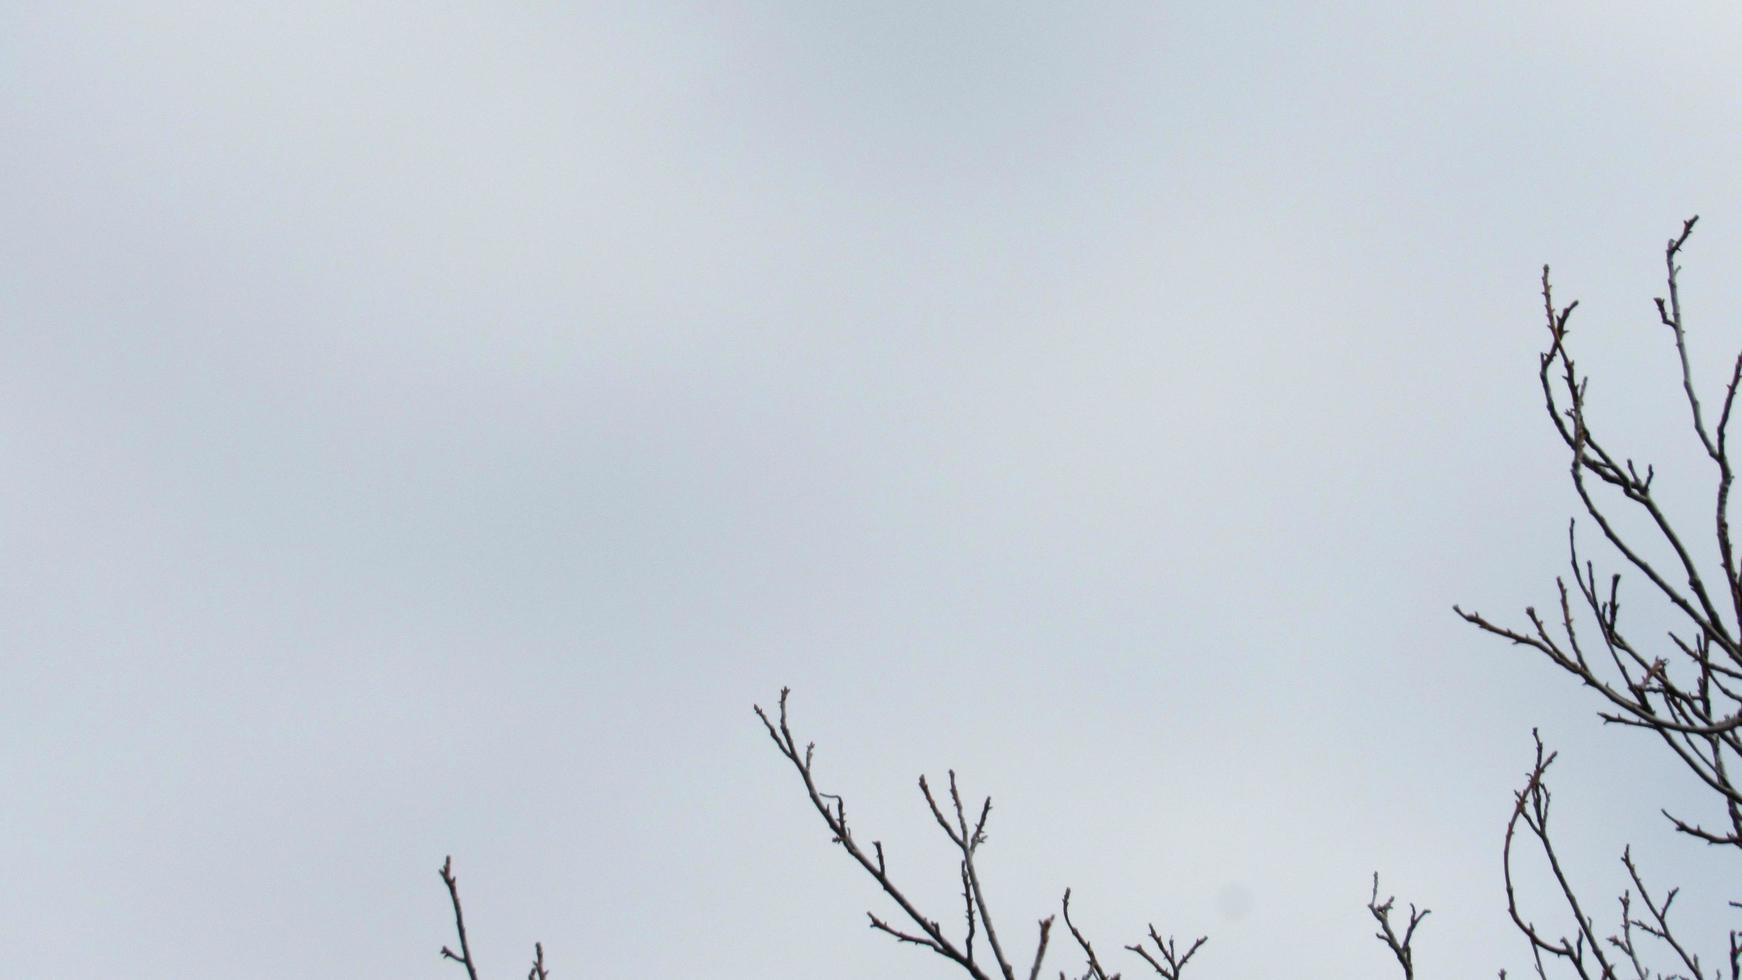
1399 945
1686 692
966 833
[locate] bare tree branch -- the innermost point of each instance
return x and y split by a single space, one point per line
1083 943
1686 694
464 957
1172 961
967 834
1399 945
926 930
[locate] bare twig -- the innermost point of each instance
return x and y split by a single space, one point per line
1083 943
1399 945
1531 810
1040 947
1172 961
464 957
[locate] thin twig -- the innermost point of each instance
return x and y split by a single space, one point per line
464 957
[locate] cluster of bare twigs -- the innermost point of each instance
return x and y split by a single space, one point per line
1584 952
464 956
1168 959
926 930
1400 946
1690 699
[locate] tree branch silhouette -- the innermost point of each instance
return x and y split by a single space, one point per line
1686 694
464 956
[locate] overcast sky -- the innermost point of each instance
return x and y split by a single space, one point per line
428 428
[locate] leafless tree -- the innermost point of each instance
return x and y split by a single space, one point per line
1687 692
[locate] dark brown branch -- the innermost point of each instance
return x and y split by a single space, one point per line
1672 318
1590 456
1399 945
907 937
464 957
968 911
1659 927
1531 809
1688 696
1040 948
967 835
926 930
1083 943
1172 961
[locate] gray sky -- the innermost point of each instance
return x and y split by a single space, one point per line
428 428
